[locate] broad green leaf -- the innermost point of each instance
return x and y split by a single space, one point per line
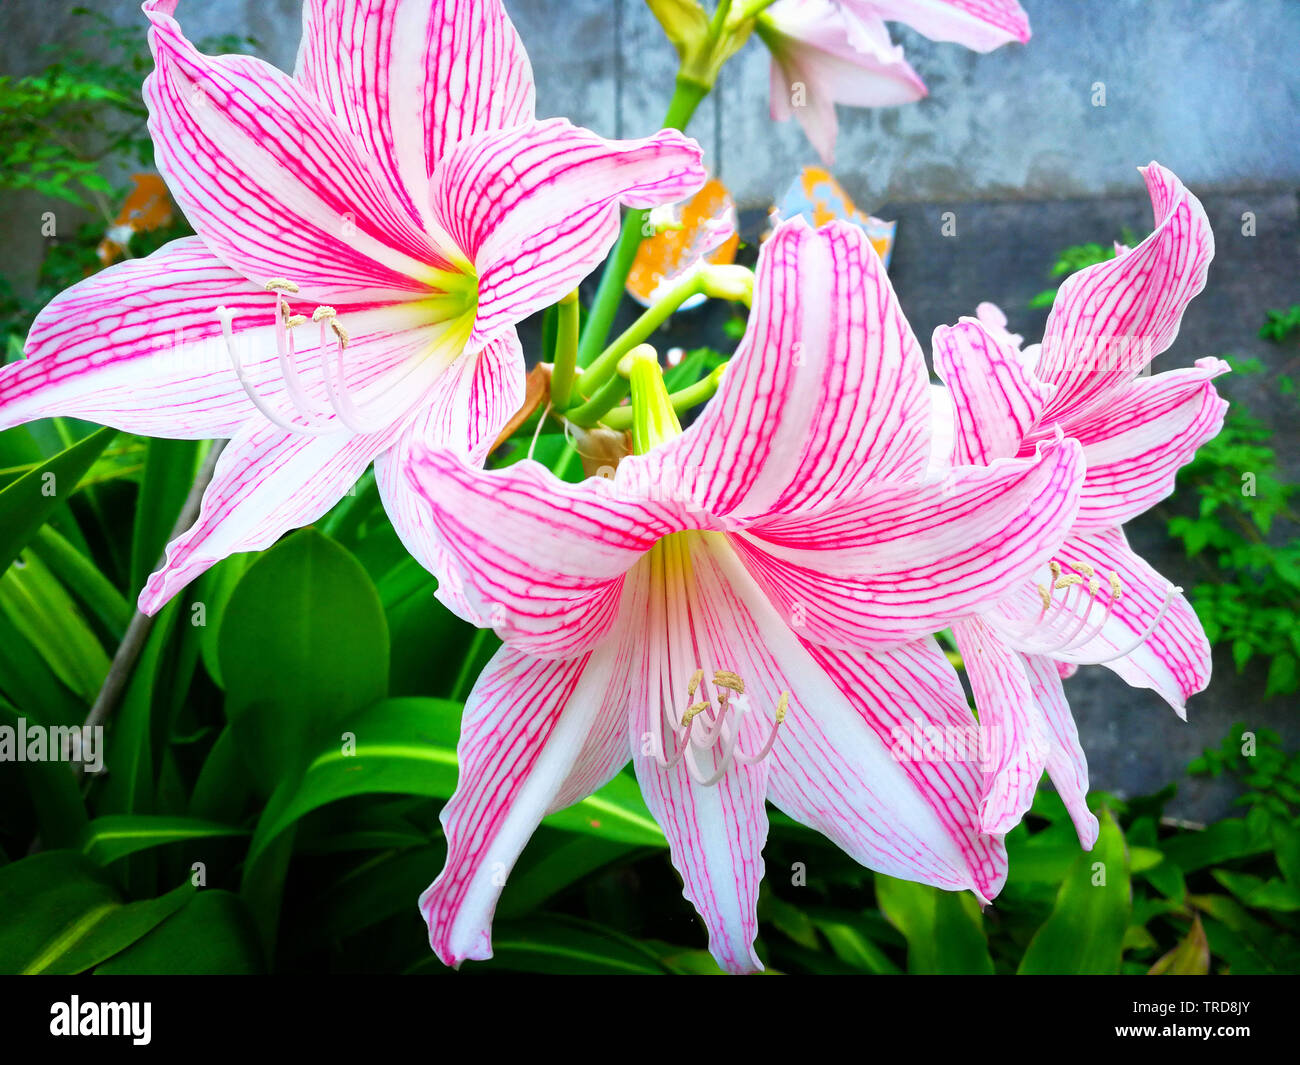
408 746
28 682
224 787
303 644
1220 842
28 502
83 578
213 933
62 916
1258 893
55 791
944 929
168 476
35 602
850 943
212 597
552 862
116 835
1190 958
130 784
383 886
1085 931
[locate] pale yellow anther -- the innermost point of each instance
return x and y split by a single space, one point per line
696 678
1093 585
1055 567
294 320
339 332
782 706
724 678
1116 589
281 284
1083 568
693 711
1045 596
1066 582
322 313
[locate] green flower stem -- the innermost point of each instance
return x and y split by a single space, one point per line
566 351
688 96
754 8
602 369
682 400
606 399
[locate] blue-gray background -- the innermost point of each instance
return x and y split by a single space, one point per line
1010 142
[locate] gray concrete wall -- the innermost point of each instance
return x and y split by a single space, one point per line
1208 87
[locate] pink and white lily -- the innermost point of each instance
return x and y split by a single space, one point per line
1096 601
826 52
717 612
369 232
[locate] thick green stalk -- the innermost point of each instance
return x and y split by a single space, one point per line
566 350
602 369
686 98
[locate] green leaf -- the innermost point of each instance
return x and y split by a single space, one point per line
168 476
562 945
213 933
130 785
850 943
83 578
1190 958
1220 842
944 929
1085 931
303 643
407 746
116 835
55 792
35 602
27 503
62 916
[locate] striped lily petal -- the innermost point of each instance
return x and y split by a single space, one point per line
535 207
266 482
823 55
1016 736
410 78
1111 319
539 560
1173 655
901 562
1066 763
1137 443
849 758
272 181
536 736
139 346
995 399
716 833
827 391
469 406
981 25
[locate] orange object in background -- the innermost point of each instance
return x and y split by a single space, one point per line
666 255
148 206
819 198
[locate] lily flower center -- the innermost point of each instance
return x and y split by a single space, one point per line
1067 624
705 729
453 308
